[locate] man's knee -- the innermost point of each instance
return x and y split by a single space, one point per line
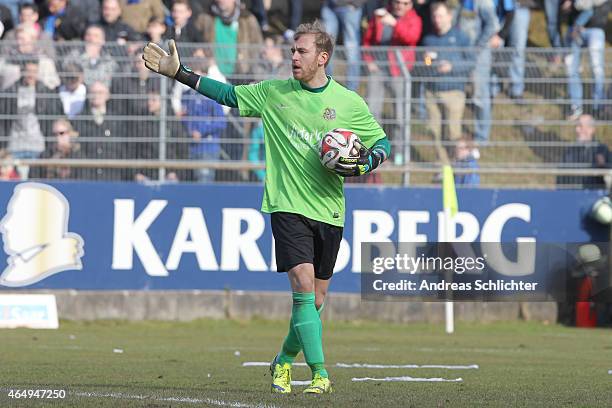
302 278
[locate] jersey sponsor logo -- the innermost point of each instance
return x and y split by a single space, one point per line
329 114
36 237
282 106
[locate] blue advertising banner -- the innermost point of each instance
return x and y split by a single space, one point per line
110 236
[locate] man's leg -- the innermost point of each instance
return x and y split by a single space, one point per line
306 321
518 40
596 45
351 34
482 95
434 114
292 346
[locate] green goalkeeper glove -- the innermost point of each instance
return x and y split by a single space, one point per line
158 60
367 161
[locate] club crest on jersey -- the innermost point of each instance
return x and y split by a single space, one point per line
329 114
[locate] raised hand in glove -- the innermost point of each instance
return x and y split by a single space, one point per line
158 60
367 161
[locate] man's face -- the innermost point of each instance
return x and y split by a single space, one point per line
400 7
441 19
62 135
30 73
462 150
226 6
94 36
272 52
25 40
154 103
305 59
156 29
55 6
28 16
98 95
585 128
180 14
111 11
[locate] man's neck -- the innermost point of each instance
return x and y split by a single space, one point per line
319 80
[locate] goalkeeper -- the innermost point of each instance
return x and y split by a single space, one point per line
306 201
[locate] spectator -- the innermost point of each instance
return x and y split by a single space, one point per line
345 14
552 10
295 19
593 37
586 152
273 64
98 132
234 50
259 11
7 171
29 45
28 17
115 29
8 14
65 146
177 141
65 21
204 122
97 63
131 91
466 159
399 25
505 14
183 30
156 30
257 152
138 13
478 21
30 101
517 39
73 92
447 70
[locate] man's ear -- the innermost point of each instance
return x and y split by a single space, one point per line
323 58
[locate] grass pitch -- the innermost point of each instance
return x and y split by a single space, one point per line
163 364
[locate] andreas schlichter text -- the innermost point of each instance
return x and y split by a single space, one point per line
478 285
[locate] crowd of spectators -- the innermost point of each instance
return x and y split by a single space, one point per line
104 96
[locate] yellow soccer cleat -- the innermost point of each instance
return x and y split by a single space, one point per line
281 377
319 385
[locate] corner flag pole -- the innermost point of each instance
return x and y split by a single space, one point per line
450 205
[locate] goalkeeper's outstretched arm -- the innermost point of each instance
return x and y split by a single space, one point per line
158 60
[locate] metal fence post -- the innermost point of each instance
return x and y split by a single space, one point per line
163 119
405 125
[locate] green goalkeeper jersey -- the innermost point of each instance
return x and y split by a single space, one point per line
295 120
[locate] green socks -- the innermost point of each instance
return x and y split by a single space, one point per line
305 332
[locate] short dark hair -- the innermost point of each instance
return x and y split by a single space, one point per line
31 6
437 4
185 2
323 40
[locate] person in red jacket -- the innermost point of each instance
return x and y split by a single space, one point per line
396 25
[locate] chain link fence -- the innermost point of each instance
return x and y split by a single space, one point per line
510 117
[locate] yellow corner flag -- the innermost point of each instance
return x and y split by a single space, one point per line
449 194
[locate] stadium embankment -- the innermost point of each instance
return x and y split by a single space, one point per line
196 304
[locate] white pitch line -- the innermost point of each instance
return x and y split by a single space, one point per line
299 382
407 379
209 401
448 367
360 365
265 364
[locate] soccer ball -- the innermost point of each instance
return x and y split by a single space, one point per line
335 144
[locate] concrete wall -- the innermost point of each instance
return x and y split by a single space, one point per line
189 305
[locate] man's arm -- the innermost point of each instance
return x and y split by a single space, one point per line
158 60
